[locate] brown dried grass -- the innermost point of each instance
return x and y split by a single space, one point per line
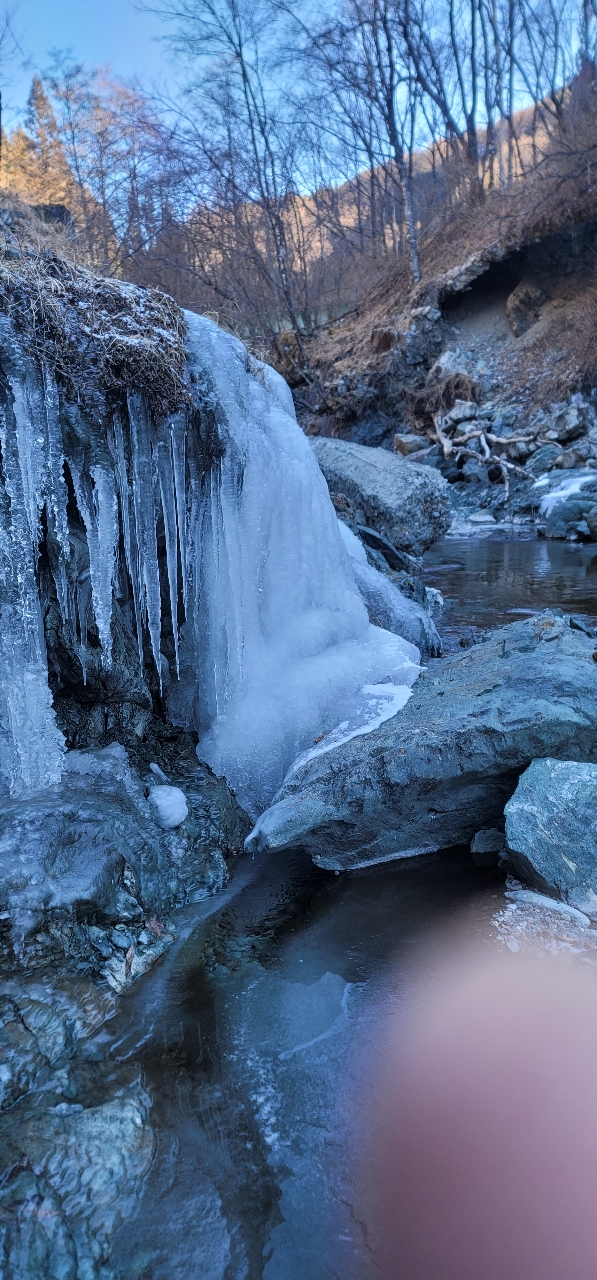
97 334
439 397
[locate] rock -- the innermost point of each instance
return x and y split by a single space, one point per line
523 306
591 519
444 767
482 517
68 1179
544 458
409 444
486 846
431 457
565 515
569 423
551 830
462 411
581 452
474 471
396 559
450 362
407 503
90 847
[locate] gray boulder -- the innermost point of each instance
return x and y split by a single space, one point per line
445 766
551 830
407 503
90 852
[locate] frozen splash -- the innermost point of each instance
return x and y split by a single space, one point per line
281 637
219 519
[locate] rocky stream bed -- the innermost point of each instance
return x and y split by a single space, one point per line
195 1124
239 783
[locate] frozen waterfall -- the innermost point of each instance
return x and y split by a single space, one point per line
281 638
219 518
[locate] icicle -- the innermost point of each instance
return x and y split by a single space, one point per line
131 553
178 428
163 460
97 506
30 444
144 503
56 492
83 605
31 745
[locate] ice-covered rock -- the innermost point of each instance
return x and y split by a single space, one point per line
275 648
445 767
386 605
408 503
551 829
68 1178
92 847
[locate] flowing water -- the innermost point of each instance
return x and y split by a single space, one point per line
253 1035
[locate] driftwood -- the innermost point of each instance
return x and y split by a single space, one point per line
457 449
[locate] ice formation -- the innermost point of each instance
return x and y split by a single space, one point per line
282 642
30 742
566 489
385 603
170 806
272 646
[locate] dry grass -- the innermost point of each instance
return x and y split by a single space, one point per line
96 334
560 193
439 397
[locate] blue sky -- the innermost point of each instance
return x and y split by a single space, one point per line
97 32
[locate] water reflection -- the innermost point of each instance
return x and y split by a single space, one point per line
489 582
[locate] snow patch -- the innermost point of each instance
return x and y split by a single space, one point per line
170 804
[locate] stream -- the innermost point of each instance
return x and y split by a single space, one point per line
253 1034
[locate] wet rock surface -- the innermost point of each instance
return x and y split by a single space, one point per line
551 830
88 874
445 767
68 1178
407 504
85 864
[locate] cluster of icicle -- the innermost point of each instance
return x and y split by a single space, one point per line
123 479
276 648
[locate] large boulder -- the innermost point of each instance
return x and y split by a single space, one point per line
407 503
446 764
551 830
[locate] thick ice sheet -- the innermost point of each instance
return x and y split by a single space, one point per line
282 646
